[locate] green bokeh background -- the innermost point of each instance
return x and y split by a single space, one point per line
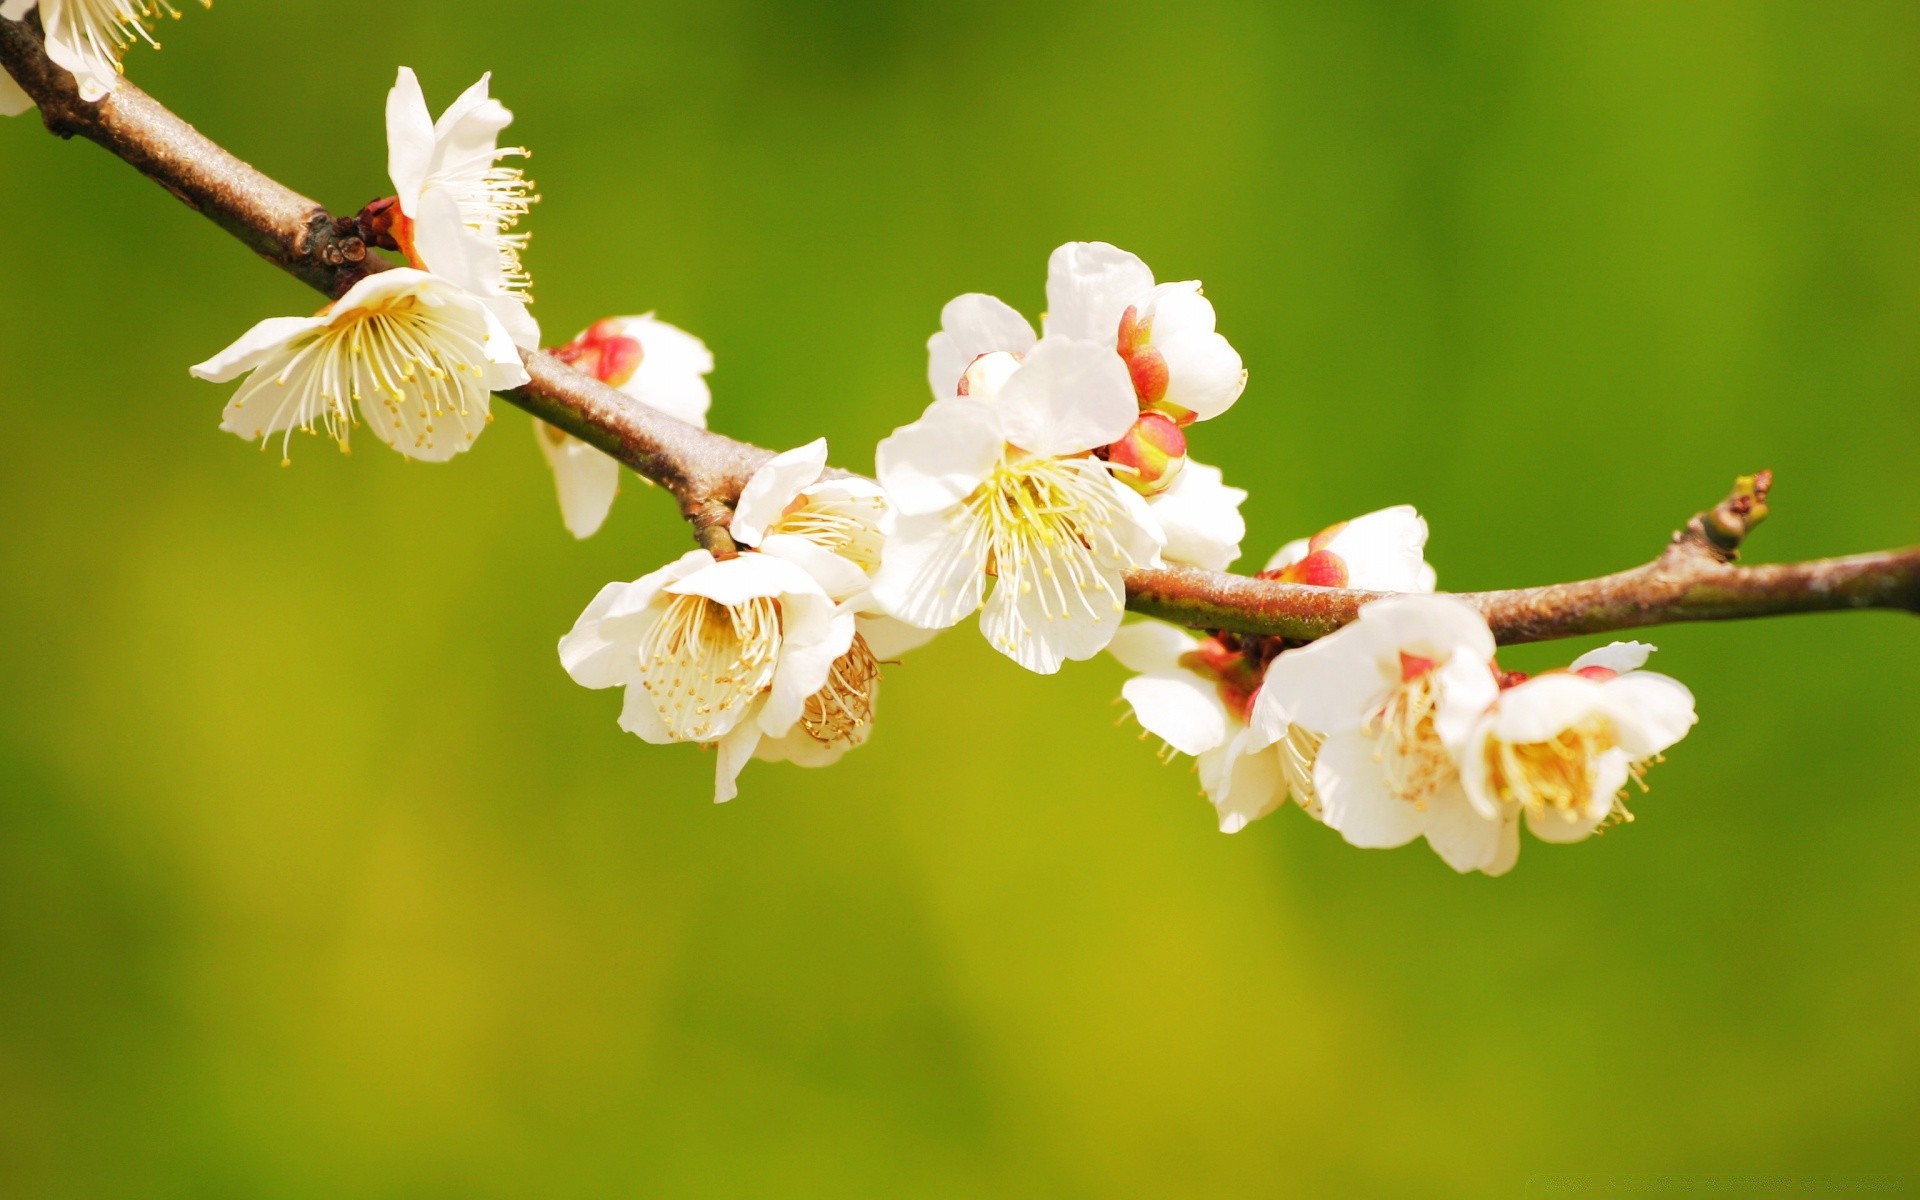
318 878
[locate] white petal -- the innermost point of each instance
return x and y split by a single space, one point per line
1472 760
774 486
1329 686
797 747
1650 710
1354 798
1026 633
937 461
1618 657
1201 518
1552 825
970 326
449 249
839 577
1181 709
1545 706
1432 626
268 339
1467 689
16 10
585 479
673 367
600 654
806 659
74 43
1089 286
1204 372
1385 551
640 717
467 133
731 754
516 324
1151 646
1458 832
1067 397
733 581
409 139
1179 310
931 574
1243 785
1506 851
889 639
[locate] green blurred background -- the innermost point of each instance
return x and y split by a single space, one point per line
318 877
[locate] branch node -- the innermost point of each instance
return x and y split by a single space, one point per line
1721 529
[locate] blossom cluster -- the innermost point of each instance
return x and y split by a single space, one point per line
1048 464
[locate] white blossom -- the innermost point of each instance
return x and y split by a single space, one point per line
660 365
999 482
459 204
1164 332
725 653
1395 695
417 357
1200 516
87 38
1195 694
1561 747
1383 551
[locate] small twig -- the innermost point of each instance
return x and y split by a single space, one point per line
1694 580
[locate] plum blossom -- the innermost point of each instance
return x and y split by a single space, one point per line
1195 694
1198 694
660 365
1395 695
1163 332
1561 747
458 206
999 481
725 653
87 38
416 356
835 528
1383 551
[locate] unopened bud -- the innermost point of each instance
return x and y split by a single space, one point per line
1151 454
604 352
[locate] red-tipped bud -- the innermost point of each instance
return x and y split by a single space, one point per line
604 352
1151 454
1322 568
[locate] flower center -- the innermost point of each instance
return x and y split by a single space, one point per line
845 525
400 353
1048 525
1407 746
703 662
837 713
1556 774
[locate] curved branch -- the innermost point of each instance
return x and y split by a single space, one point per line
1694 580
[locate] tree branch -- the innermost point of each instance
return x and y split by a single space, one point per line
1693 580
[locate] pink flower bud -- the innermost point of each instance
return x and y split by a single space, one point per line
604 353
1150 454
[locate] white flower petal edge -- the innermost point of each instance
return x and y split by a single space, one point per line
972 325
1052 525
660 365
1560 748
1192 693
1201 517
1395 695
1382 551
718 652
833 528
462 205
84 37
417 356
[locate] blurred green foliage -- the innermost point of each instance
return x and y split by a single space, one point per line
318 878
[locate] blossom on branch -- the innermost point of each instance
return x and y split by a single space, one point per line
1383 551
999 481
1560 747
458 206
1198 694
415 356
1395 696
660 365
87 38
